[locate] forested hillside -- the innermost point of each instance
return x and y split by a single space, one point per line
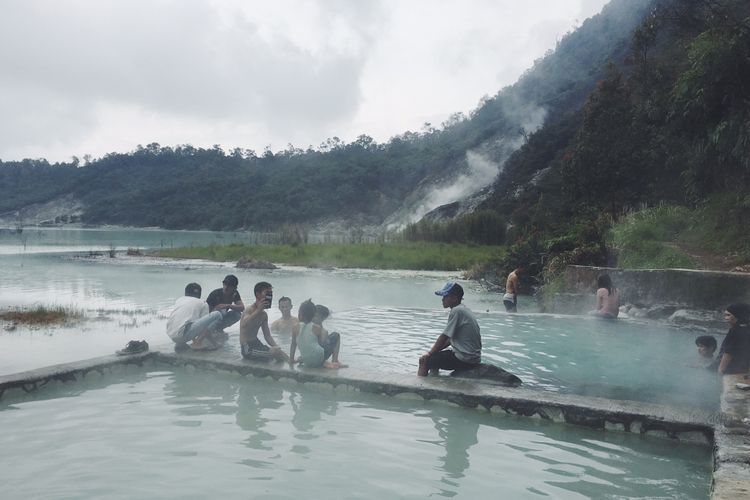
670 123
360 183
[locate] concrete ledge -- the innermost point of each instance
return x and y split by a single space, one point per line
731 477
33 380
729 431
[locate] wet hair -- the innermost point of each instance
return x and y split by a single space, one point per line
604 281
741 311
322 312
193 290
706 341
260 286
231 280
306 311
285 299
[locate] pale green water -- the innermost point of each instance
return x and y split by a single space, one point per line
387 319
192 435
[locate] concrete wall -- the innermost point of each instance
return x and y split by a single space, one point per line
680 288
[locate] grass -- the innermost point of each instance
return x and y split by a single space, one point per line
641 239
40 315
418 256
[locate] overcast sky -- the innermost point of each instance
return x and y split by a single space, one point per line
98 76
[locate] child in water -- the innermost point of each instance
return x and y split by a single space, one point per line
315 346
706 345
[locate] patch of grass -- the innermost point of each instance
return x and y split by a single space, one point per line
41 315
418 255
641 239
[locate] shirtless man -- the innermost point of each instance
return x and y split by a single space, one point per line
255 318
286 323
510 299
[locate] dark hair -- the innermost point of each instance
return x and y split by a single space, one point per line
741 311
231 280
260 286
193 290
322 312
706 341
604 281
457 290
306 311
287 299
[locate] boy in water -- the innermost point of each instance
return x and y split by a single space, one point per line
706 345
286 323
255 318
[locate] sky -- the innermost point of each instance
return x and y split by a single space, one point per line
90 77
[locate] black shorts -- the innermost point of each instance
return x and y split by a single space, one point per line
447 360
255 349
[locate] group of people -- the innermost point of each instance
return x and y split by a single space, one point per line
197 324
200 325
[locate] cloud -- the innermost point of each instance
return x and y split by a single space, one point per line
85 76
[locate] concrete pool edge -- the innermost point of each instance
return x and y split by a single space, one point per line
729 433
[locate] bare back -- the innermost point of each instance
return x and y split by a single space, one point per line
608 303
511 284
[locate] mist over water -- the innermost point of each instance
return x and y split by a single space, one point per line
387 319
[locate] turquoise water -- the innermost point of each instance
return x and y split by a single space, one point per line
164 434
386 318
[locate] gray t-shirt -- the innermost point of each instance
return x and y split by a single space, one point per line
463 330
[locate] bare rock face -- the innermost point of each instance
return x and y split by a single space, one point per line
489 372
244 263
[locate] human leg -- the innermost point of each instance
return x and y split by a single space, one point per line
331 347
204 324
230 317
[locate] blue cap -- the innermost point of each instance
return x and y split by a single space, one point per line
451 288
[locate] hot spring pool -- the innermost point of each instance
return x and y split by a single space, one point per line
187 434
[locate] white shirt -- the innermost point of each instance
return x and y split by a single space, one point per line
186 309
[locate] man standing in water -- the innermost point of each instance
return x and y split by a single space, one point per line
286 323
510 299
461 333
254 319
227 301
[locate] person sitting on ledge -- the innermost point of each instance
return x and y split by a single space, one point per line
461 333
255 318
607 298
735 349
227 301
314 348
191 321
706 345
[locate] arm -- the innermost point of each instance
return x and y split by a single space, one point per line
293 348
600 298
724 364
441 343
267 333
237 303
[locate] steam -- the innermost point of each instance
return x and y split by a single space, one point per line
484 163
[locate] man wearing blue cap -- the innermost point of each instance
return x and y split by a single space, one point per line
461 333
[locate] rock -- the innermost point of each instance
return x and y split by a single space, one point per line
134 252
709 319
244 263
489 372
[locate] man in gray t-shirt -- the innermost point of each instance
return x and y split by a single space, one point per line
461 333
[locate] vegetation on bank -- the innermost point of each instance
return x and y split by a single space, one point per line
417 256
41 315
